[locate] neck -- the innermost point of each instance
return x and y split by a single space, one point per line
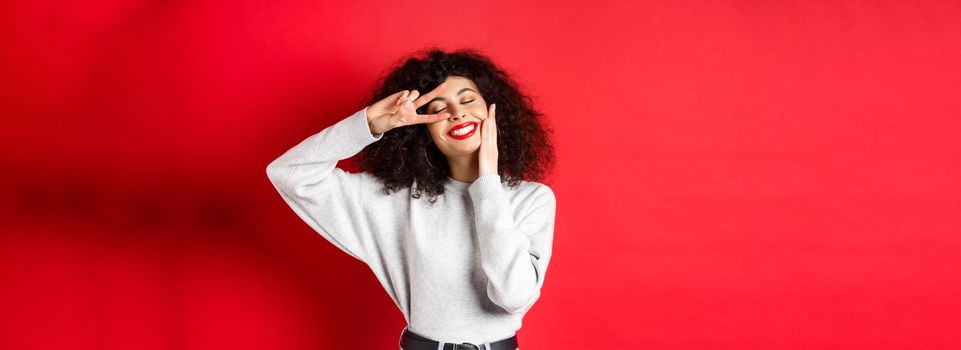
464 168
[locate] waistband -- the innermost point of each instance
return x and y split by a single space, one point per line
410 340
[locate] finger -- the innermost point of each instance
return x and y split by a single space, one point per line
492 120
494 128
430 95
413 95
400 98
485 131
491 136
480 129
488 128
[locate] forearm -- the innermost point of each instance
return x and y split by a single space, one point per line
312 159
514 254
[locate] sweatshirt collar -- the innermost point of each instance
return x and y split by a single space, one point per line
458 186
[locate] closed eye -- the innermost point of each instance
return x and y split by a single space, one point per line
439 110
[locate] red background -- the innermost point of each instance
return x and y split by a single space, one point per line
731 174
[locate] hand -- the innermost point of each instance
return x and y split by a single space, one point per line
487 155
399 110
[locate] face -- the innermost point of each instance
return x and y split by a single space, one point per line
462 99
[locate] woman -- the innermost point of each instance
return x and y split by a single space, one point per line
467 261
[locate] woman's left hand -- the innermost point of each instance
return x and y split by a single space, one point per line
488 149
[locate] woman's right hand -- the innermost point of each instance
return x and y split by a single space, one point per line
400 109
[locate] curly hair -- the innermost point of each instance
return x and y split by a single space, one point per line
407 154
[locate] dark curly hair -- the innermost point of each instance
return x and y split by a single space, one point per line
407 154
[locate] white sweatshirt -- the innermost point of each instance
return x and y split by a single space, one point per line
466 269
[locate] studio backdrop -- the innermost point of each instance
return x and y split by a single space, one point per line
730 174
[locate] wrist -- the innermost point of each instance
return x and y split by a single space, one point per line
373 131
370 127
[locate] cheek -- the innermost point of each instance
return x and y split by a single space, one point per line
480 110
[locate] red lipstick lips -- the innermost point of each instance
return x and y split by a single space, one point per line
461 126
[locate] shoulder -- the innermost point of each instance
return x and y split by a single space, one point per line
372 186
535 202
535 187
539 194
367 178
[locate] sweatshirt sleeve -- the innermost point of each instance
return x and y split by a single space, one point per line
514 254
328 198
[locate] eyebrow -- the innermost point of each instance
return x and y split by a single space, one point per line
441 98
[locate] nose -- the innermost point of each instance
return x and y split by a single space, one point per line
457 113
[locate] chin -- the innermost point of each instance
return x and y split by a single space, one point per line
463 152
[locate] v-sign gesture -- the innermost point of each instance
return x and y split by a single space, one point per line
400 109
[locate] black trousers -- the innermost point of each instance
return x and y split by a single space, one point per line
413 341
